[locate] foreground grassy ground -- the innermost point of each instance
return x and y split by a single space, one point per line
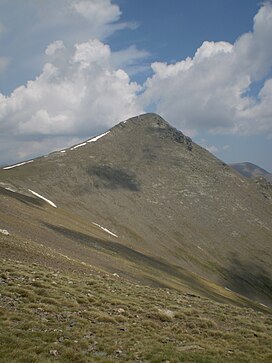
48 315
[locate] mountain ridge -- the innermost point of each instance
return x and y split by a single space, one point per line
179 214
251 170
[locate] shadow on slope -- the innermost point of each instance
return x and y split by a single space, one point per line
160 273
23 198
123 251
114 178
249 279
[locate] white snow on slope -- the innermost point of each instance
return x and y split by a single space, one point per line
84 143
98 137
10 189
15 166
75 147
40 196
105 229
63 151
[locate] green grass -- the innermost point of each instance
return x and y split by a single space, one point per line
53 316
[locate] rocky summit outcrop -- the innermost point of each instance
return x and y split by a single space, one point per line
144 201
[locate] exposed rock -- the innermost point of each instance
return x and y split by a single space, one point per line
120 310
178 135
189 143
4 231
264 186
166 314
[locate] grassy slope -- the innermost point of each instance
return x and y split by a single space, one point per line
52 301
53 315
44 234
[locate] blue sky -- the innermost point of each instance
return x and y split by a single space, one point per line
73 68
172 30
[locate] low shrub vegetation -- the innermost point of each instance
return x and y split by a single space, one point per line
52 316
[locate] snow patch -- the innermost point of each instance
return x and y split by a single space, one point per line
98 137
10 189
40 196
15 166
105 229
77 146
63 151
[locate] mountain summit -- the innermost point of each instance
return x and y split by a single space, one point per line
144 201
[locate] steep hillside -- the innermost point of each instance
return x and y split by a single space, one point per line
146 202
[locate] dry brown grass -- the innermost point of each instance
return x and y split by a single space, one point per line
50 316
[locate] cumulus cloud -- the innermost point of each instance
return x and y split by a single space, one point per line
84 88
77 20
97 9
131 59
212 90
83 96
69 21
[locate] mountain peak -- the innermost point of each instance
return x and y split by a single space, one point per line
156 125
151 120
177 210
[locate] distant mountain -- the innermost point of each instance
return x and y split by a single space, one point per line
250 170
145 202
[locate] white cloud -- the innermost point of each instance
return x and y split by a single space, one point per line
84 88
95 10
131 59
13 149
90 53
210 90
54 47
77 20
68 21
253 51
83 96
